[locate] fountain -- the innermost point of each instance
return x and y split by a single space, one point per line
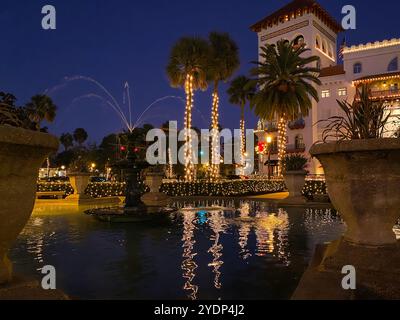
134 209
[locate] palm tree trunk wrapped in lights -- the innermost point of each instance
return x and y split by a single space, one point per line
189 165
242 141
286 80
187 69
241 91
282 143
223 61
215 155
171 166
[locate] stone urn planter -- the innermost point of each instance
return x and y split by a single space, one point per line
295 181
155 197
79 182
363 179
22 152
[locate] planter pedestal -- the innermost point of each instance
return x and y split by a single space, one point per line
377 272
362 178
22 152
155 198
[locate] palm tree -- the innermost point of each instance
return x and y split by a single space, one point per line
80 136
223 62
40 108
286 86
67 140
241 91
187 69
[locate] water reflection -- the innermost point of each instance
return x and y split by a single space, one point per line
244 230
218 225
212 249
188 264
270 230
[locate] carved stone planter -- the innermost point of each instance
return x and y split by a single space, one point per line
79 182
155 197
363 177
22 152
295 181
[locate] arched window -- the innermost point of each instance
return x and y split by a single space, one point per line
393 65
318 42
330 51
286 41
357 68
324 46
299 40
319 64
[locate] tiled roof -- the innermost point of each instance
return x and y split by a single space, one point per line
294 6
332 71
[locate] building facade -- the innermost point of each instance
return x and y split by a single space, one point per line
305 21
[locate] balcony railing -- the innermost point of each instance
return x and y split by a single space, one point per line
383 94
296 148
297 124
291 148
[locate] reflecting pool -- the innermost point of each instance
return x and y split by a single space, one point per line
228 250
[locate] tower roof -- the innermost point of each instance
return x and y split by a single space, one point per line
295 8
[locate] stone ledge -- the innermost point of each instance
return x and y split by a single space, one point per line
27 289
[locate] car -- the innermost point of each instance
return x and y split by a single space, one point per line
98 179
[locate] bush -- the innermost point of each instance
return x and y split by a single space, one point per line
55 186
223 188
295 162
94 189
314 187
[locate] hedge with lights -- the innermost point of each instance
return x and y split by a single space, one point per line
223 188
94 189
314 187
55 186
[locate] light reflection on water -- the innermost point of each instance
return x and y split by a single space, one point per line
226 250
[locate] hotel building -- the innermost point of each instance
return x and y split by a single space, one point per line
376 63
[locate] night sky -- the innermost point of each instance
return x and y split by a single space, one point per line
126 40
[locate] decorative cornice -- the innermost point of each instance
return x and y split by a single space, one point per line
372 45
323 31
285 30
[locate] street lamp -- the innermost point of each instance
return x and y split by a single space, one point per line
269 142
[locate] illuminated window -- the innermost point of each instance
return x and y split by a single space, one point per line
357 68
342 92
325 93
393 65
324 46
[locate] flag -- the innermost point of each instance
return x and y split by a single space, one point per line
342 48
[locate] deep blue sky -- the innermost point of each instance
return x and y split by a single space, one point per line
129 40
